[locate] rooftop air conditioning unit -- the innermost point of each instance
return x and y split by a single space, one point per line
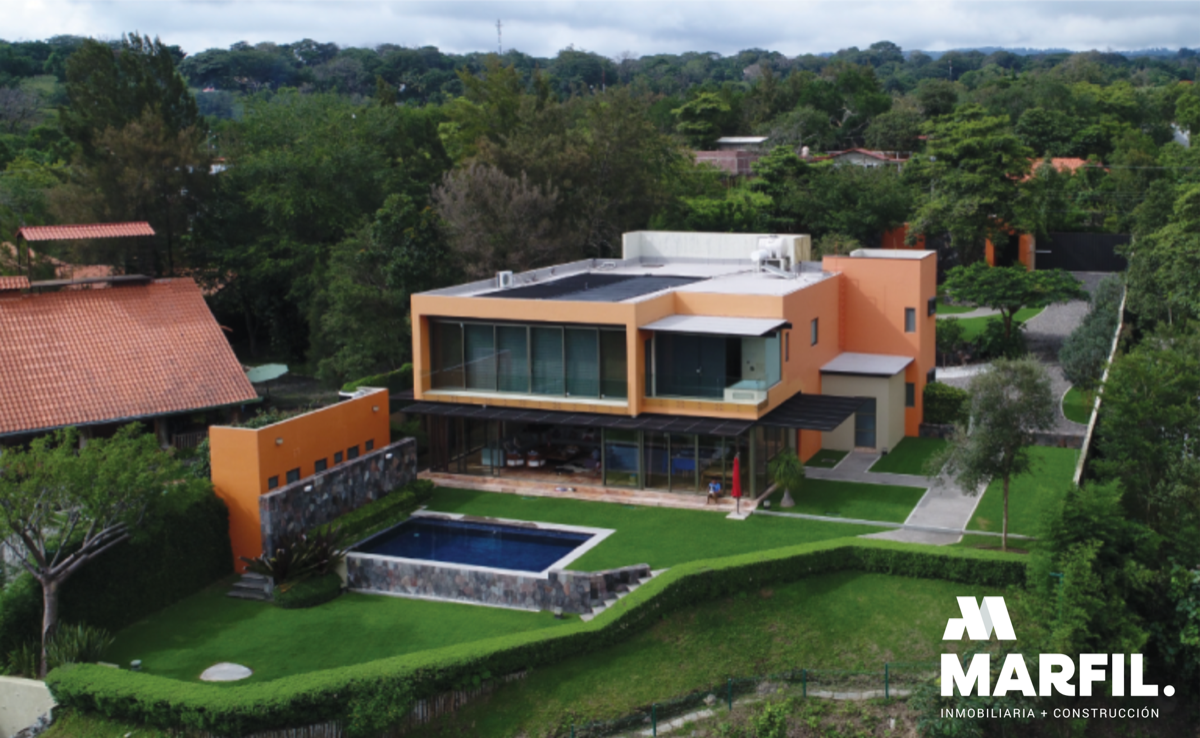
504 279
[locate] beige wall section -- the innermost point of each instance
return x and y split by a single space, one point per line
889 408
22 702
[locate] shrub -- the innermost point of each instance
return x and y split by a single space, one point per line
949 336
396 380
370 698
382 513
993 344
310 592
183 552
299 556
945 404
1085 352
75 644
25 660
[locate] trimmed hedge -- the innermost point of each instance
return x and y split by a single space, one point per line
185 551
310 592
383 513
372 697
396 380
945 404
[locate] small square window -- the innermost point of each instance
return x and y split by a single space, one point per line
371 445
293 476
273 482
910 394
815 331
352 452
320 465
337 458
910 320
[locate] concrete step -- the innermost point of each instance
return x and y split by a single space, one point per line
243 594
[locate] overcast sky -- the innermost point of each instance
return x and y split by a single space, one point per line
615 26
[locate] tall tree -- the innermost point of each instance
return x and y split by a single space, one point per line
970 180
1008 289
1010 403
62 506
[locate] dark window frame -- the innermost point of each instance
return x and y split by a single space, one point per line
910 394
273 482
293 475
815 331
352 452
337 457
910 320
370 444
320 465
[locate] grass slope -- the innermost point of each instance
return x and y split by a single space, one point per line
826 458
660 537
973 327
847 620
883 502
1077 406
209 627
909 456
944 308
1030 495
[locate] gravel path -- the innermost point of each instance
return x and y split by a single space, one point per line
1045 333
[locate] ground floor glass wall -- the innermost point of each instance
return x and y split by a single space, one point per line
569 455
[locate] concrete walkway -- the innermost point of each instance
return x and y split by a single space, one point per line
940 517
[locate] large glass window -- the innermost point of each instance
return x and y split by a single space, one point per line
481 356
864 425
547 361
512 358
683 463
583 362
613 376
621 466
447 351
689 365
656 460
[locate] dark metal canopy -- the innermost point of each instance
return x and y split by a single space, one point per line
813 412
643 422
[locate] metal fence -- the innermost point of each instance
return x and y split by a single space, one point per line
895 679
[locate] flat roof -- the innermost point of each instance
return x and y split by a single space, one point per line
876 365
716 325
741 139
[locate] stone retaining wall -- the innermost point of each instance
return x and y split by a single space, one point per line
316 500
573 591
1056 440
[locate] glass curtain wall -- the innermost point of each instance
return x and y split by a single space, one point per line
529 359
702 366
621 457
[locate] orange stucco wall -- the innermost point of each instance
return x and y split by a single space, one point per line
1026 251
894 239
245 459
875 293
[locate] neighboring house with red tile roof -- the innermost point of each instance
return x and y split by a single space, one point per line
87 230
139 351
866 158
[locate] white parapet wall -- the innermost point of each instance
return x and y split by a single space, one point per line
22 702
664 245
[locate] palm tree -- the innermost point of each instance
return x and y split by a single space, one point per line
788 472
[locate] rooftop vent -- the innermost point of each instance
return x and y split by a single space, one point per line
504 280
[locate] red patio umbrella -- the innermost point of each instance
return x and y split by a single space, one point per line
737 483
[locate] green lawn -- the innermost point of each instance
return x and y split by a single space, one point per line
848 620
209 627
826 458
660 537
1015 545
945 309
973 327
1077 406
1029 494
851 500
909 456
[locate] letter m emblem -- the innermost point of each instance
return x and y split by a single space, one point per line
980 620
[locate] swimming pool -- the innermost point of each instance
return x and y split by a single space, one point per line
471 543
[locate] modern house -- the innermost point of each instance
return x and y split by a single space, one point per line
141 350
867 158
655 370
734 154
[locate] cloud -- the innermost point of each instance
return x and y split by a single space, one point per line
616 26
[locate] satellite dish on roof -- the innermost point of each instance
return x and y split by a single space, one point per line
266 372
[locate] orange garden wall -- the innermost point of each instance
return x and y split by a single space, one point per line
1026 251
245 459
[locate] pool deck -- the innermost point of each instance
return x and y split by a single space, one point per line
590 493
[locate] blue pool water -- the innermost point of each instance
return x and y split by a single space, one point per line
477 544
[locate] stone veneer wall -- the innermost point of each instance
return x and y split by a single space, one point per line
337 491
573 591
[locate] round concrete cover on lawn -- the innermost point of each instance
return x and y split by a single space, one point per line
225 672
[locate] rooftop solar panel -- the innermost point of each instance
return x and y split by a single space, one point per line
594 287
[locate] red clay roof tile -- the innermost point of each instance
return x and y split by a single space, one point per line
14 283
90 230
88 356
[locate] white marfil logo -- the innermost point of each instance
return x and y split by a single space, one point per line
982 619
